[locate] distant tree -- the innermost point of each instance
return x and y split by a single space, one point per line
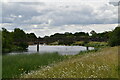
13 41
68 34
103 34
19 35
114 39
31 37
46 37
6 40
78 34
56 35
94 34
20 38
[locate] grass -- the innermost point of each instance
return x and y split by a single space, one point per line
79 43
92 44
15 65
97 44
98 64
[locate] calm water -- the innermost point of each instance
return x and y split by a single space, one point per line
64 50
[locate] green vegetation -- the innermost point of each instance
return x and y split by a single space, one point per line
13 41
97 44
68 38
79 43
115 37
16 40
100 35
100 64
15 65
91 44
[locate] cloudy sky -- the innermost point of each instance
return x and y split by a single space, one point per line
46 18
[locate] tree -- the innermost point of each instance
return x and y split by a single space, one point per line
78 34
6 40
114 39
31 37
19 35
94 34
20 38
13 41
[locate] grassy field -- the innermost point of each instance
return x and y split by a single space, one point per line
100 64
15 65
97 44
92 44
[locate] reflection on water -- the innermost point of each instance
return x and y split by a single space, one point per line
64 50
68 50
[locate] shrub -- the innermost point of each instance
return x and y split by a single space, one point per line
115 37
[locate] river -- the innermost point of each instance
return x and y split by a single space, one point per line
64 50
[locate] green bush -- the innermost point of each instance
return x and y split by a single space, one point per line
23 45
13 41
115 37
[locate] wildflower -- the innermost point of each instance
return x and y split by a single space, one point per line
22 69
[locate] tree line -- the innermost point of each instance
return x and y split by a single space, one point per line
18 40
68 38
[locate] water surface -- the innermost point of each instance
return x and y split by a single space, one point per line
64 50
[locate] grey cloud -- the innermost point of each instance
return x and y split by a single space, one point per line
32 3
17 9
114 3
53 15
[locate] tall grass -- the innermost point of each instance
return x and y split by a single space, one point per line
97 44
92 44
100 64
15 65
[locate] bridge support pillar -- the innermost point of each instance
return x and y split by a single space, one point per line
38 47
87 48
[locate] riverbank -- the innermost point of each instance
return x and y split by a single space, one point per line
99 64
82 43
15 65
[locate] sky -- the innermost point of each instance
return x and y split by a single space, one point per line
44 18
